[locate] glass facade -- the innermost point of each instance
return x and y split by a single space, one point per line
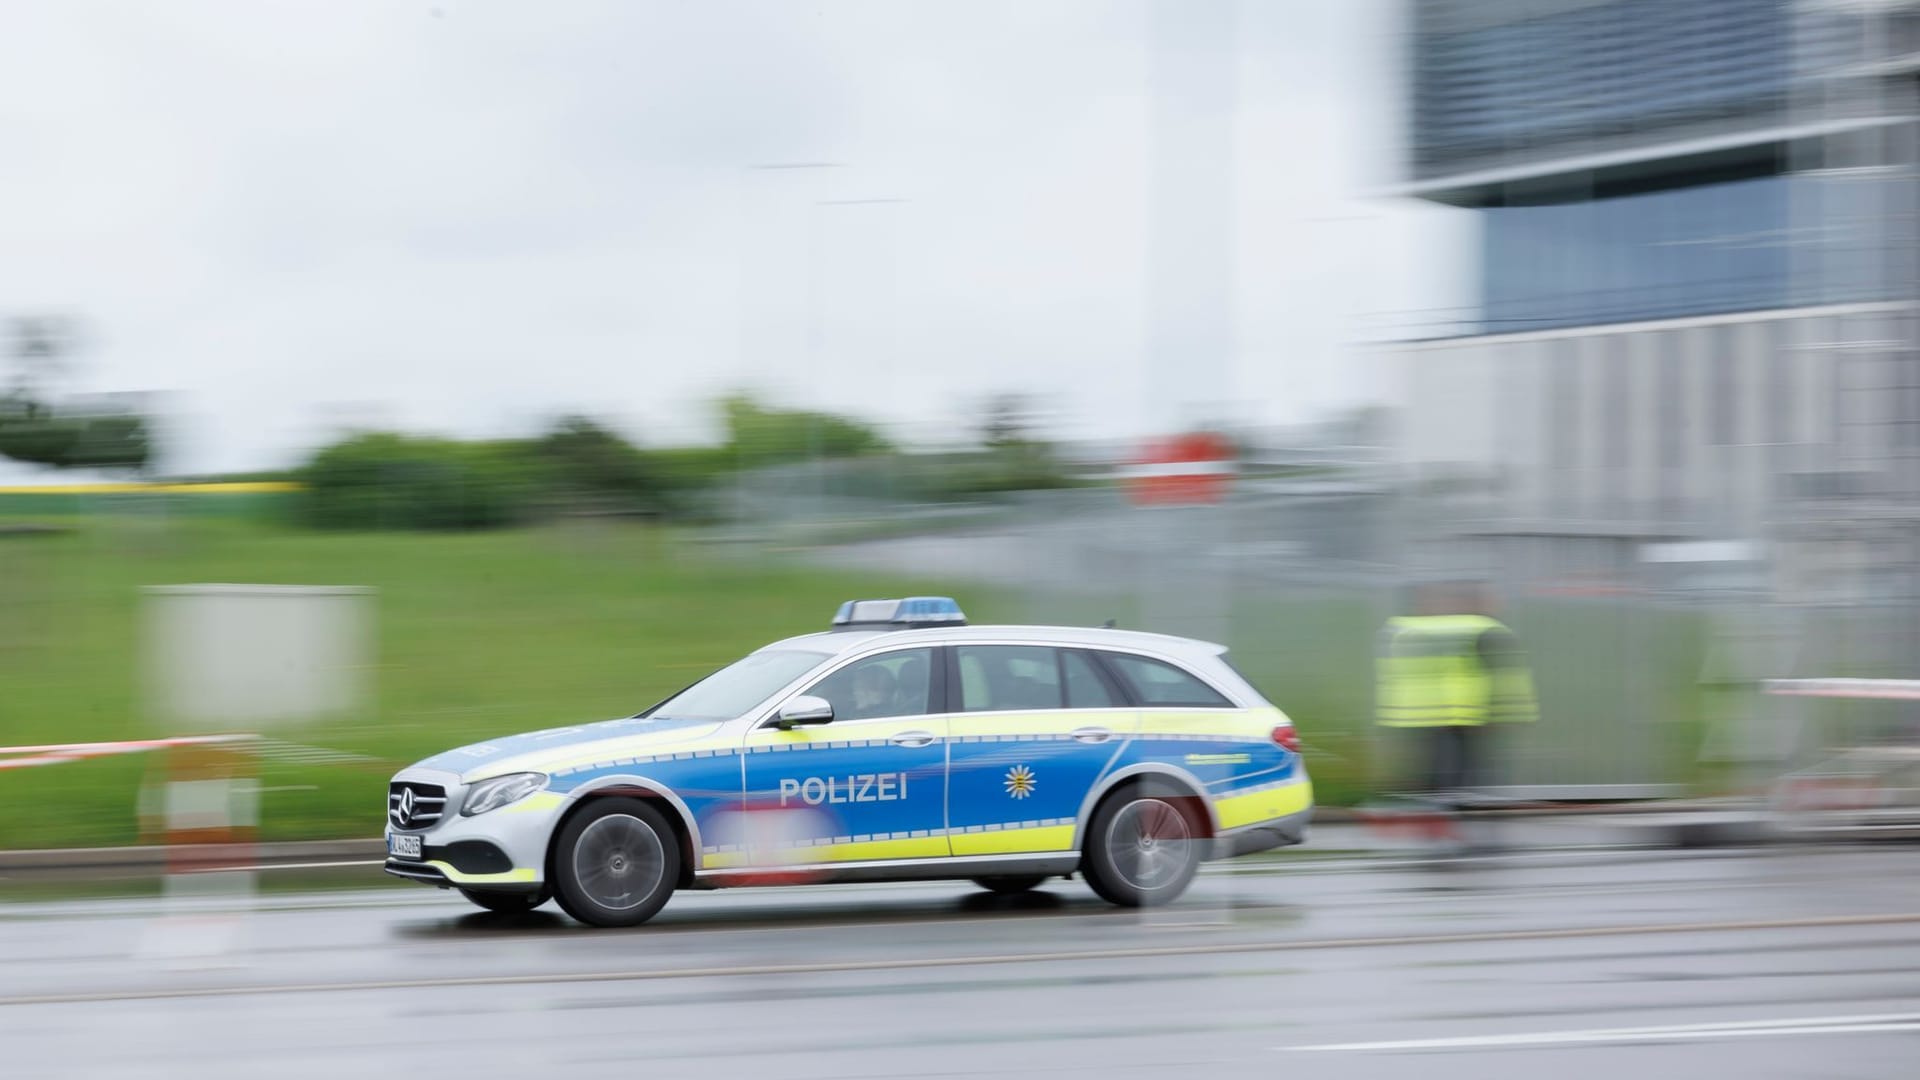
1491 85
1523 87
1744 245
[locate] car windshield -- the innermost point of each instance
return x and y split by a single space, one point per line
739 686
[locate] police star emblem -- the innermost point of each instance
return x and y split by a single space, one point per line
1020 782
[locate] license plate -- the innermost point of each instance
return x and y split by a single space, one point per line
403 846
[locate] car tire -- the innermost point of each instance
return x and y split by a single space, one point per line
1010 884
1143 847
506 902
615 863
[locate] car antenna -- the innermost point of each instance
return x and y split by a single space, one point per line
1110 624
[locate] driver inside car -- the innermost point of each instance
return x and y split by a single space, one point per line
873 688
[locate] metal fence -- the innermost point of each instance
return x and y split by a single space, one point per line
1648 654
1637 681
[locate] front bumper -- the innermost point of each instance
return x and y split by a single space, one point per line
504 849
427 873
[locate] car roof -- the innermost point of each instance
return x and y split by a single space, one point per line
847 642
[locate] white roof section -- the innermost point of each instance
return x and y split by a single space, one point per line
848 642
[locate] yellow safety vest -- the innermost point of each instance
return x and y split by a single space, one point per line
1432 674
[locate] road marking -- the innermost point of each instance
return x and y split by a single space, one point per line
1735 1029
990 959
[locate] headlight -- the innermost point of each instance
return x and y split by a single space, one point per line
502 790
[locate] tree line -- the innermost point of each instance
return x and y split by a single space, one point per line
397 480
386 480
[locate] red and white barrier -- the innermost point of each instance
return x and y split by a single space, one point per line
26 757
1183 470
1878 689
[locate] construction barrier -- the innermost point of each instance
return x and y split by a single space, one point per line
200 802
26 757
203 800
1870 782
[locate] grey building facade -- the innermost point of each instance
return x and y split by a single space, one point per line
1697 279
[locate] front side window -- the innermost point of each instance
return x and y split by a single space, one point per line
890 684
1155 682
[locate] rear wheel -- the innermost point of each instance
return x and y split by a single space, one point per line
1142 849
1010 884
615 863
508 902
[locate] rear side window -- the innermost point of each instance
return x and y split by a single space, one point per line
1001 677
1086 688
1235 668
1155 682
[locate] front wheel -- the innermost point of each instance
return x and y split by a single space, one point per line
1010 884
615 863
506 902
1142 849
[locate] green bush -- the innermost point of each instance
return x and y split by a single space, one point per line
758 436
387 481
31 432
1013 467
583 465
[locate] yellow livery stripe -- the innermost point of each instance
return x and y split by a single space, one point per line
1045 838
1054 723
1265 805
518 876
1227 723
927 847
540 802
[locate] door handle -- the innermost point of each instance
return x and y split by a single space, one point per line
912 738
1091 734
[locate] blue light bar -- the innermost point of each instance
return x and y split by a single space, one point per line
914 612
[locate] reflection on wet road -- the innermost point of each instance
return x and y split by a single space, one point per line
1783 963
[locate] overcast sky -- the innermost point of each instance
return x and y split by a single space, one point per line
468 217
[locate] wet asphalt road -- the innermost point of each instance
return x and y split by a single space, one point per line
1786 963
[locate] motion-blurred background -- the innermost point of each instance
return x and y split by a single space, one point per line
594 344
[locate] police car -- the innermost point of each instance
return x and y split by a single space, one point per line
902 744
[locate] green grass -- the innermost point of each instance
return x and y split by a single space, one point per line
478 634
481 634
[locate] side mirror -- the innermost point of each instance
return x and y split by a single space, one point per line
803 710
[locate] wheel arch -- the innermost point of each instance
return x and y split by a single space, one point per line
679 818
1194 795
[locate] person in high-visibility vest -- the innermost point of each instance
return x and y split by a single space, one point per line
1450 671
